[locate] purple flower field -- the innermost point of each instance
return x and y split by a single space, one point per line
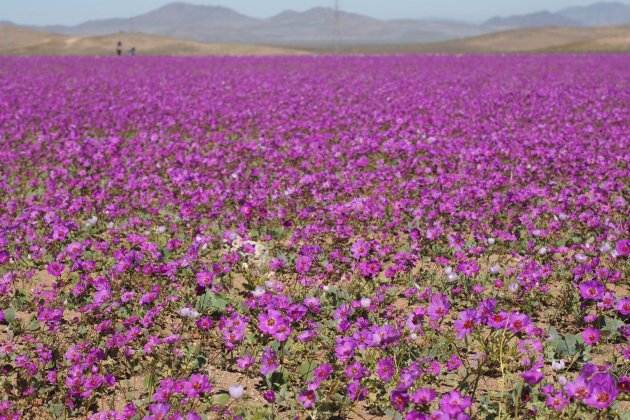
400 237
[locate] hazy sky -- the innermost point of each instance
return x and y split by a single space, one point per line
75 11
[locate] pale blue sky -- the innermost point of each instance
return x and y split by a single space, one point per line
75 11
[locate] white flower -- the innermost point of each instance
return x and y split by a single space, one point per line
581 257
258 291
451 277
160 229
542 251
491 241
495 269
558 364
91 221
236 391
366 302
605 248
513 287
188 313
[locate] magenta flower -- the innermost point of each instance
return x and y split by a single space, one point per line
454 403
245 362
233 329
344 348
532 376
356 391
307 399
466 322
197 386
577 389
385 369
468 268
453 363
423 396
268 362
399 400
623 248
591 290
416 415
370 269
55 269
499 320
360 249
321 373
204 323
591 336
414 320
623 306
303 264
557 402
159 411
602 389
269 396
439 307
274 323
204 279
356 371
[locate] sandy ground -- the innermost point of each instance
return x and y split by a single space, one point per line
604 39
20 41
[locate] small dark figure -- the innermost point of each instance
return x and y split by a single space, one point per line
132 51
119 49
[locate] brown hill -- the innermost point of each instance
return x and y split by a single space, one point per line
596 39
15 40
548 39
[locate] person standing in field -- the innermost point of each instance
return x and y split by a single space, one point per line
119 49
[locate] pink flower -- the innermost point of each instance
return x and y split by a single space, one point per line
591 336
307 399
55 269
591 290
454 403
602 391
623 248
623 306
439 307
466 322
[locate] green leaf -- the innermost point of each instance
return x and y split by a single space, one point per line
203 302
306 368
57 410
33 326
221 399
218 302
611 326
9 315
394 415
210 300
566 345
623 415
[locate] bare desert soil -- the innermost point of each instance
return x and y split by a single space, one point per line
20 41
15 40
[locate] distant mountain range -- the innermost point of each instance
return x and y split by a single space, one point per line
598 14
322 26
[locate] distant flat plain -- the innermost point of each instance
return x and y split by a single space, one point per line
15 40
